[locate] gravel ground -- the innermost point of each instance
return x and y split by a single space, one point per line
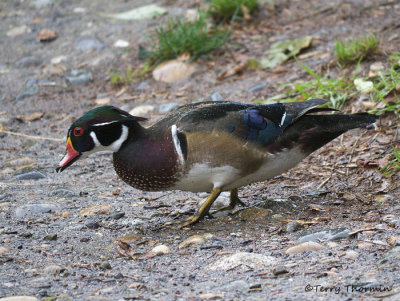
327 229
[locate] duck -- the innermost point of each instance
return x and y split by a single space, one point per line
209 146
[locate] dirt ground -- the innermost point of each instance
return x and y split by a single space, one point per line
58 232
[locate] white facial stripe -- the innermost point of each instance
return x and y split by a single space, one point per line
95 140
177 144
283 118
116 145
104 123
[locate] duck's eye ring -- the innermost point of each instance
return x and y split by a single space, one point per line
78 131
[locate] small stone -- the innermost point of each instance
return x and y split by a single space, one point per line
332 245
142 110
79 77
79 10
63 193
118 215
121 44
293 226
253 214
102 101
92 225
377 66
58 59
156 251
31 272
42 3
52 236
65 214
167 107
28 61
257 87
34 210
89 44
53 269
279 270
142 86
19 298
242 260
303 247
215 96
195 240
4 250
350 254
96 209
46 35
29 92
17 31
255 286
105 266
33 175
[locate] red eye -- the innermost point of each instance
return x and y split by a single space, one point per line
78 131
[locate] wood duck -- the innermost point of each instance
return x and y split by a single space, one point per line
208 146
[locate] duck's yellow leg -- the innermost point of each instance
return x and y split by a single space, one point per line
204 209
234 200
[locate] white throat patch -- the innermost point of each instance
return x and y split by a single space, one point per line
114 147
177 144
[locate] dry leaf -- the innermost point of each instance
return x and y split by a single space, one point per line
31 117
124 249
232 70
46 35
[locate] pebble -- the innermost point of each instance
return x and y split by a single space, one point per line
28 61
195 240
34 210
17 31
303 247
157 251
132 222
215 96
92 225
257 87
19 298
105 266
96 209
53 269
79 77
242 260
118 215
350 254
293 226
168 107
63 193
4 250
42 3
28 92
58 59
325 235
253 214
279 270
142 86
238 285
142 110
52 236
33 175
121 44
89 44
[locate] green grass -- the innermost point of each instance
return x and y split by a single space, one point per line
357 49
228 10
180 36
129 76
393 165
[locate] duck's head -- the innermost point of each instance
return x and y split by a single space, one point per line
103 128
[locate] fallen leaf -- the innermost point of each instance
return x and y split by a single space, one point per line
143 12
124 249
363 86
173 71
46 35
232 70
280 52
31 117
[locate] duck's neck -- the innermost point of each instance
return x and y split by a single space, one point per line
147 160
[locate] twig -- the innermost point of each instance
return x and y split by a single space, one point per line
351 154
32 137
326 180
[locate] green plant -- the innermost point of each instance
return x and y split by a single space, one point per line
227 10
393 165
356 50
129 76
180 36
